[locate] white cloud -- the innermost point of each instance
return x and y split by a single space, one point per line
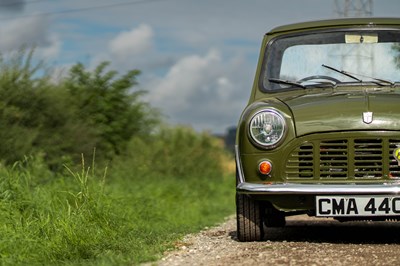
32 31
203 91
134 42
189 74
52 50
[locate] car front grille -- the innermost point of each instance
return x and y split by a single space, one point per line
350 158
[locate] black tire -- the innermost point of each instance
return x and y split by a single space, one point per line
249 216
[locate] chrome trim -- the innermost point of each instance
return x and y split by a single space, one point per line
283 135
238 165
318 189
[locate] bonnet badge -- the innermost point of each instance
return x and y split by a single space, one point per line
367 117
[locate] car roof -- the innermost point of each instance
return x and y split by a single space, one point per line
343 22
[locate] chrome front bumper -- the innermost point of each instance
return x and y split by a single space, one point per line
318 189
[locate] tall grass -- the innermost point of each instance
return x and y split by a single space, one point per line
168 185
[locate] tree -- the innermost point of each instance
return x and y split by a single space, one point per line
109 105
34 114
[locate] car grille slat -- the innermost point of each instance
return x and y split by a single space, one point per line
368 159
300 162
333 158
349 158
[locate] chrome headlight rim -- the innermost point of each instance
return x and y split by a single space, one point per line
273 145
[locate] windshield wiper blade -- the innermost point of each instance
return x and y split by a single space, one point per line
342 72
286 82
378 81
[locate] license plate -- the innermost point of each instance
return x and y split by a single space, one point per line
334 206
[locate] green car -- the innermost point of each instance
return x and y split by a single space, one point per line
320 134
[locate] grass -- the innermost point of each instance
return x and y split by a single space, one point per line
127 213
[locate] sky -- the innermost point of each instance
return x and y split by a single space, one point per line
197 57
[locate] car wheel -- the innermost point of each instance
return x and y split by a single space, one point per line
249 219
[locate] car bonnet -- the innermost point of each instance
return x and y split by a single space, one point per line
368 109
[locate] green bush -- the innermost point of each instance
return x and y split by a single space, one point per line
85 110
175 151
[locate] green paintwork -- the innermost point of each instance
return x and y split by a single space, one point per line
315 117
342 110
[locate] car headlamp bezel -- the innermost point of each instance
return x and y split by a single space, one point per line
272 139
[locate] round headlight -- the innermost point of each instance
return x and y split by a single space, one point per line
267 128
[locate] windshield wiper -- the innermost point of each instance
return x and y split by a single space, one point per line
342 72
378 81
286 82
299 83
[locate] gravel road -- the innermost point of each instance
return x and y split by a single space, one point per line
304 241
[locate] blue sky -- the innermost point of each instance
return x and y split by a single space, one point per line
197 57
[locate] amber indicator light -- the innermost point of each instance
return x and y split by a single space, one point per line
265 167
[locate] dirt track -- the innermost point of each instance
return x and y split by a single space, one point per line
304 241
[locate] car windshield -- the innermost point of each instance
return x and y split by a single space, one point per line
332 58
